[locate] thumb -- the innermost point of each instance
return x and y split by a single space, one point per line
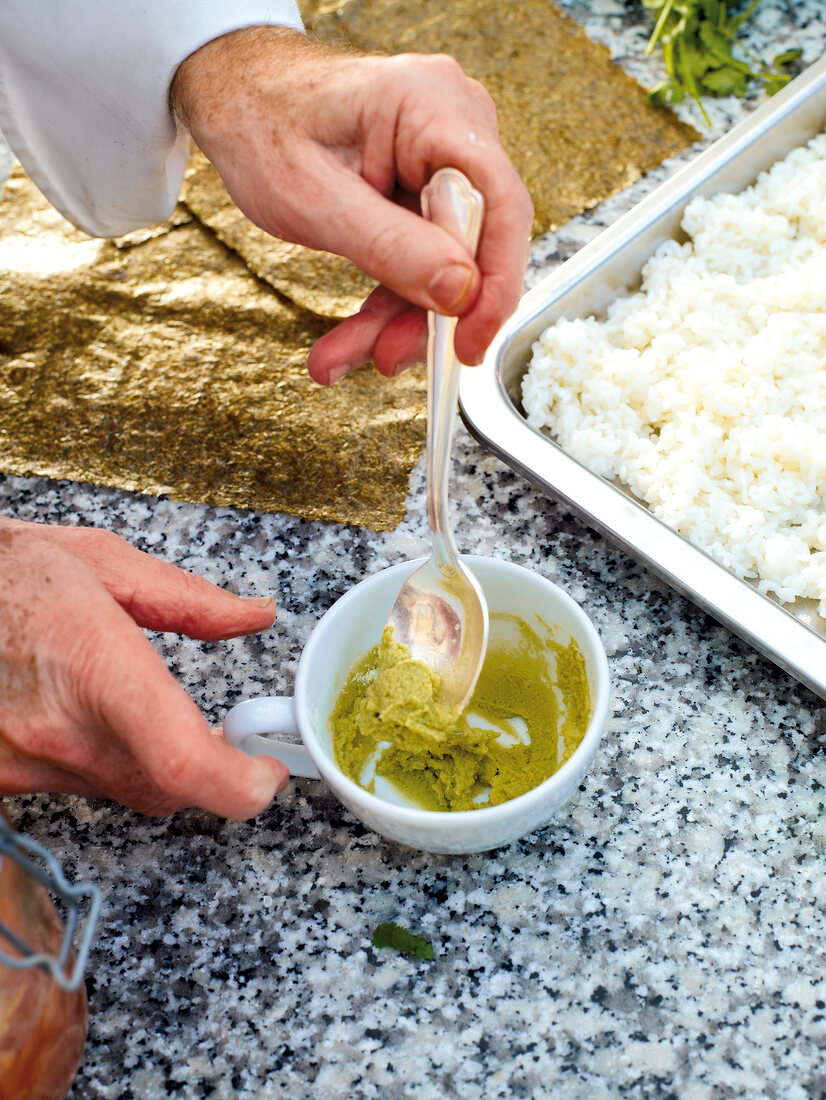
175 761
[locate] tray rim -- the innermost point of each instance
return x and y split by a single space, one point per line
492 418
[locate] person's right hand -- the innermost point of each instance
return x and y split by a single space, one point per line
331 149
86 704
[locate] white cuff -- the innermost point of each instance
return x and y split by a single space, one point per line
84 98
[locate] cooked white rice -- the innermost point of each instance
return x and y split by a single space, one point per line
705 391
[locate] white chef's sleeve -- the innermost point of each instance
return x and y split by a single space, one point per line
84 98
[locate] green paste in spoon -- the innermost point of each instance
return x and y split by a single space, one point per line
389 722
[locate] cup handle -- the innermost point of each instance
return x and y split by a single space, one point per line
248 723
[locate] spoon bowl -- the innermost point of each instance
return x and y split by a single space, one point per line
441 615
440 612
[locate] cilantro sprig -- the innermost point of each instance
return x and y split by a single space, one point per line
698 39
393 935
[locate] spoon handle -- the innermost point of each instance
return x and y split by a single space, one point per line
450 201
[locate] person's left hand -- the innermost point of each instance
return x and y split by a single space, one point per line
86 704
331 150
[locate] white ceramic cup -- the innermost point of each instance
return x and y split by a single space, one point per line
347 631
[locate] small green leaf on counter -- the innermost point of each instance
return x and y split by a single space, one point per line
698 40
393 935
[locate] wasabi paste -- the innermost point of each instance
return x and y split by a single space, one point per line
528 713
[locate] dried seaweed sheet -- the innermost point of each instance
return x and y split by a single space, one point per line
166 367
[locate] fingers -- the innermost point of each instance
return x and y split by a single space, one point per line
159 596
401 343
86 704
502 256
504 243
416 260
428 137
385 331
176 761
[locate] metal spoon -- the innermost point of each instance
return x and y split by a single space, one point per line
440 612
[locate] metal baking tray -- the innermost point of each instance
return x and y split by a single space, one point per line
792 636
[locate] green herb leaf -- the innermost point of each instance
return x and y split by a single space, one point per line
783 59
393 935
666 92
698 39
725 81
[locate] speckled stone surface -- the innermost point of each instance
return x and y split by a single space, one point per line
663 938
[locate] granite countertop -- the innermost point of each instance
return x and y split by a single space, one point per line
663 937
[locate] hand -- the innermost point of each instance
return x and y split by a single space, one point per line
331 150
86 704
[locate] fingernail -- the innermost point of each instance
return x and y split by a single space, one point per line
259 601
450 286
272 778
338 371
403 365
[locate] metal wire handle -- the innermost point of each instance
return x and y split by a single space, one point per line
16 847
